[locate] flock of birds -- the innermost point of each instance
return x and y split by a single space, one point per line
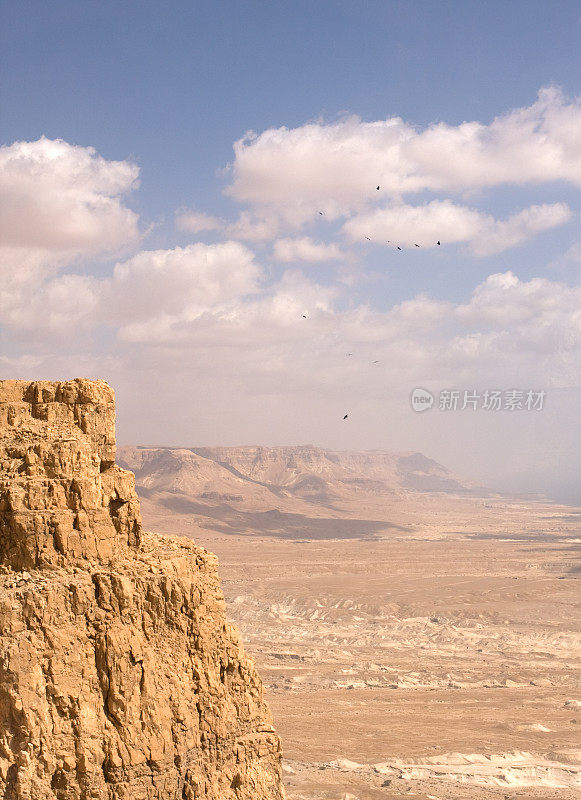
388 241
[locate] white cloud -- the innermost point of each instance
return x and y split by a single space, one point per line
205 299
234 315
21 267
443 220
254 226
535 144
573 253
235 365
305 249
148 297
291 297
211 322
508 331
196 221
60 307
157 291
537 308
499 235
407 225
60 201
292 174
55 365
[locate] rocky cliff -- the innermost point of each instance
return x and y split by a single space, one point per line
120 677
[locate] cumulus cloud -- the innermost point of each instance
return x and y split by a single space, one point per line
499 235
156 291
60 201
508 331
196 221
407 225
346 159
254 226
57 307
503 301
147 297
231 310
305 249
218 325
293 174
216 298
285 302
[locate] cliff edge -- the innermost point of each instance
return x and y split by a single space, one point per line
120 677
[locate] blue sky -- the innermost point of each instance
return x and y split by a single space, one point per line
162 92
174 85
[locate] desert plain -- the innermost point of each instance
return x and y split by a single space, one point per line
417 634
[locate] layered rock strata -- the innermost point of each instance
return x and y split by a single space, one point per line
120 677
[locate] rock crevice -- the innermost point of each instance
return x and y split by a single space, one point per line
120 676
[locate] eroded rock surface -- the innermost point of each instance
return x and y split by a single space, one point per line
120 677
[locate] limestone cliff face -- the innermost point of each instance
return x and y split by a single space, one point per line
120 677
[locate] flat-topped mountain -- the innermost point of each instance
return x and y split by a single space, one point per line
307 472
120 677
296 492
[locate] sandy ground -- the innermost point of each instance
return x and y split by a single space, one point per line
436 657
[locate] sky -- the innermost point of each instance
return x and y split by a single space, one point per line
189 209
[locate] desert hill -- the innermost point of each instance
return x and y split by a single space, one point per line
418 636
303 492
261 474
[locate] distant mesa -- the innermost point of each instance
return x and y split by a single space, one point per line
318 493
242 471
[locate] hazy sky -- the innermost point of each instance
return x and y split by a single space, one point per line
189 210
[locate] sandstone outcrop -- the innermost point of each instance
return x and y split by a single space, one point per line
120 677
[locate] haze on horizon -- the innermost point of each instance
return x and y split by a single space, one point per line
189 210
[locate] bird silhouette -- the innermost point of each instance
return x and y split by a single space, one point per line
417 245
348 354
398 247
346 415
321 213
304 316
437 242
378 188
375 362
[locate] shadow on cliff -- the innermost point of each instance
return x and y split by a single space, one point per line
284 525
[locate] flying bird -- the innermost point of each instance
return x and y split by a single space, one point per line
378 188
398 247
368 239
375 362
417 245
437 242
321 213
304 316
346 415
348 354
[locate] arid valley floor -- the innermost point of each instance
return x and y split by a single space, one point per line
417 636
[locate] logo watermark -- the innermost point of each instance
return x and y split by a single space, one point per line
421 399
487 400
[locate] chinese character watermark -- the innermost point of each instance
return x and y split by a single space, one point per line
472 400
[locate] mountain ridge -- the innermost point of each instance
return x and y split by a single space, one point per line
305 471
